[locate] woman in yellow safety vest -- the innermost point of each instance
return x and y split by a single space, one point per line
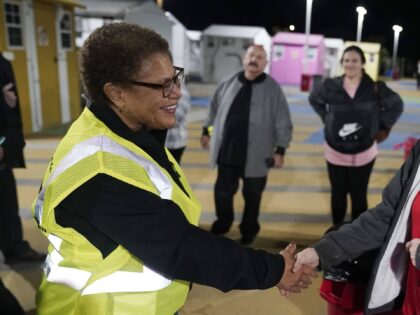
116 208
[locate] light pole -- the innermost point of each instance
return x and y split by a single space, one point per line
305 77
395 71
361 11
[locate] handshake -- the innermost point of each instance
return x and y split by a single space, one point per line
298 269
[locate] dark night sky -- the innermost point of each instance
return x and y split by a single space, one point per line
332 18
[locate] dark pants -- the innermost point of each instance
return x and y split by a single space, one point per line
348 180
11 236
418 81
177 154
8 303
227 184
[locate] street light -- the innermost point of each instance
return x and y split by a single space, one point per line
305 77
395 71
361 11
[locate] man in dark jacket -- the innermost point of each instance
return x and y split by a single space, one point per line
14 248
252 129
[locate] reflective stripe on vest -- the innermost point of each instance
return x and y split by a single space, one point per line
145 281
102 143
119 281
72 277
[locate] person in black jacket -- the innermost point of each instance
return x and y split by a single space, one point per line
357 113
14 248
393 227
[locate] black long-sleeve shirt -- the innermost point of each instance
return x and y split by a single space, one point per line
109 212
10 121
233 150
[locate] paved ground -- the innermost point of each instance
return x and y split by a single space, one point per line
294 208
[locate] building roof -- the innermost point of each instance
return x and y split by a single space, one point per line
334 42
233 31
106 8
73 3
365 46
297 38
194 35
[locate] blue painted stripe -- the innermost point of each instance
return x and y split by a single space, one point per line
291 168
29 182
411 105
209 216
265 217
209 187
303 153
200 101
190 149
37 161
284 188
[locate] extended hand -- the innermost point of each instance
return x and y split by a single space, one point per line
411 247
307 257
205 141
9 95
278 160
293 282
382 135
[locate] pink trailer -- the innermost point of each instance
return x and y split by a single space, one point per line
287 57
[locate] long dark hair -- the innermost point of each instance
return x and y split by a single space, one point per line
357 50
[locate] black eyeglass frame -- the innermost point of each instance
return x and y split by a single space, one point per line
176 80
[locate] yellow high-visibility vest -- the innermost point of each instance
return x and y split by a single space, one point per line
77 279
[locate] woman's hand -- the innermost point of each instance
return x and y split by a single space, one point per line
278 160
308 257
382 135
9 95
205 141
412 247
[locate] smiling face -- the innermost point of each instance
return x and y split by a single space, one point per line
352 64
254 61
144 107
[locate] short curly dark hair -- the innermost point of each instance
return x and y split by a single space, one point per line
115 53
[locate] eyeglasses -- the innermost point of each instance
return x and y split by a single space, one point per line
166 87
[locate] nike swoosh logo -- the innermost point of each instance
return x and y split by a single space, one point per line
345 132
